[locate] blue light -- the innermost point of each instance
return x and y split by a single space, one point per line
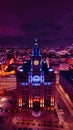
21 70
50 70
31 69
36 78
24 83
3 61
32 54
47 83
40 69
36 44
36 84
25 62
44 62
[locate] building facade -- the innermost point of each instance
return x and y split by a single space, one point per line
35 83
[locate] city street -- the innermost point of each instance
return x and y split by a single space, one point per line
65 108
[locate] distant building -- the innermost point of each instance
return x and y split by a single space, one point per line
35 83
66 80
53 58
70 61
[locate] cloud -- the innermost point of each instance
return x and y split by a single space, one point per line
50 22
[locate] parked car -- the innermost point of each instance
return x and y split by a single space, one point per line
25 128
1 109
19 128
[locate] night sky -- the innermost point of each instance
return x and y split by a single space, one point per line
21 21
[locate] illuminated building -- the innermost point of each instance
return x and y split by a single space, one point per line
35 83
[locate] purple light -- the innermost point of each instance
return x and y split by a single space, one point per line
36 114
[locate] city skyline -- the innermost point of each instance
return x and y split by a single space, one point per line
36 90
51 22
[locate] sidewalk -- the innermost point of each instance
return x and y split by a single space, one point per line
65 98
61 120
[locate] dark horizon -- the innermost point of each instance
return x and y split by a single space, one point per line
22 21
21 42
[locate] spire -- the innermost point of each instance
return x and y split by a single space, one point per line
35 39
35 50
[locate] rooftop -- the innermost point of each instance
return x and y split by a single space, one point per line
68 75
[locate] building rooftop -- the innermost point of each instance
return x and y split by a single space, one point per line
68 75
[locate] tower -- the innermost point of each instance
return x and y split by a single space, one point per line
35 83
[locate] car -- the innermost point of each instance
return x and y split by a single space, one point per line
33 124
61 126
61 110
28 123
15 110
56 125
19 128
72 116
44 124
7 110
25 128
14 96
1 119
17 122
23 110
30 129
10 101
59 106
1 109
22 123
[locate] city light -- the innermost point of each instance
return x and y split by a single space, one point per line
50 70
47 83
44 62
24 83
20 102
36 78
36 114
25 62
21 70
3 99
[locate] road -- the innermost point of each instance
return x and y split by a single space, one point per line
64 107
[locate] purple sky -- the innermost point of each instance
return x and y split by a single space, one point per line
21 21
